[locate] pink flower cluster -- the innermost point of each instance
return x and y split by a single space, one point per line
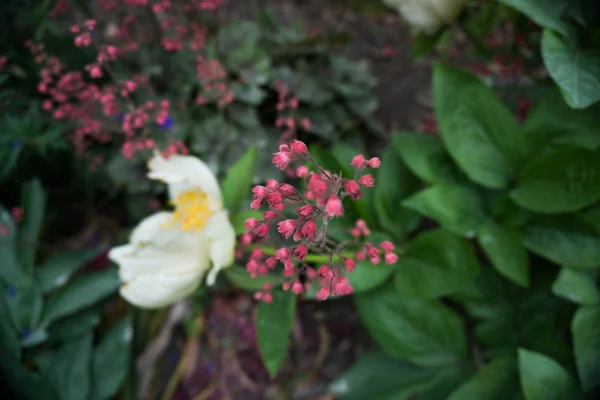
287 104
321 202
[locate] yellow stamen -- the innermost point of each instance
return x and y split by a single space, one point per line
191 210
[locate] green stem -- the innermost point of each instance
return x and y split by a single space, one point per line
310 258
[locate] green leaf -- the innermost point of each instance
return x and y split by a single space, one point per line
110 361
11 272
37 337
576 286
23 384
565 240
273 326
478 131
240 277
393 183
27 303
9 337
68 368
586 342
457 208
436 263
367 276
423 332
423 44
55 271
546 13
425 156
78 324
563 180
542 378
33 204
238 220
576 71
250 94
240 33
8 159
79 294
494 381
236 186
504 247
377 376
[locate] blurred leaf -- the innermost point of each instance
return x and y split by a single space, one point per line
393 183
457 208
423 44
542 378
425 156
497 380
478 131
9 154
33 204
239 33
68 368
80 293
576 71
9 336
436 263
56 270
240 277
78 324
546 13
237 183
110 361
586 341
37 337
563 180
17 382
250 94
273 326
27 303
377 376
239 219
565 240
11 272
504 247
576 286
423 332
367 276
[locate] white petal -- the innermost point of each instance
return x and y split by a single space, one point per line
184 173
151 227
154 291
221 237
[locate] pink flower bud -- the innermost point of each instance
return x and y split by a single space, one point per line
323 294
358 161
297 287
282 253
390 258
286 227
374 162
300 252
274 198
299 147
309 229
288 190
269 215
305 211
387 246
334 207
353 190
367 180
349 264
251 223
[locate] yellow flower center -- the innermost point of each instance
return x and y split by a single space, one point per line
191 210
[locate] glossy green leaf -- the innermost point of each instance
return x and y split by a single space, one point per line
367 276
79 294
33 204
479 132
273 327
240 277
586 341
563 180
238 220
565 240
542 378
546 13
457 208
110 361
237 183
423 332
11 272
57 269
576 71
504 247
497 380
68 368
436 263
426 157
577 286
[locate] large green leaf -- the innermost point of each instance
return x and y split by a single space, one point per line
236 186
240 277
27 303
377 376
586 341
110 361
17 382
497 380
393 183
576 71
542 378
79 294
75 325
457 208
33 204
563 180
420 331
56 270
565 240
273 326
479 131
436 263
546 13
367 276
9 338
11 272
426 157
577 286
68 368
504 247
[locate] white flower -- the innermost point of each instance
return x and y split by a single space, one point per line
170 252
428 16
